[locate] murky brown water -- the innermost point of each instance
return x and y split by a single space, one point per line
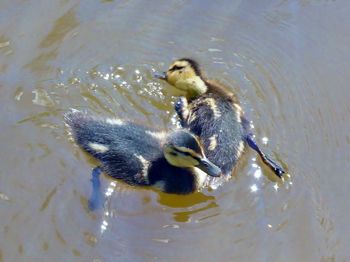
287 60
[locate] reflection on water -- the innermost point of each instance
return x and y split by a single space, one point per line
182 207
286 60
183 201
187 216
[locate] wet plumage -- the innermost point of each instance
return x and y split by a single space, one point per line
213 113
211 117
174 162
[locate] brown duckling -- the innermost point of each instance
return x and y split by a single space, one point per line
213 113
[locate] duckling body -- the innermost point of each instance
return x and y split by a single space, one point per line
213 113
140 156
215 119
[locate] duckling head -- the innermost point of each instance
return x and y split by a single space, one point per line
185 76
183 149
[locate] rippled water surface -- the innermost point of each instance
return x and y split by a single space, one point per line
288 61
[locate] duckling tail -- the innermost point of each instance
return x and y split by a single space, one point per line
75 119
92 134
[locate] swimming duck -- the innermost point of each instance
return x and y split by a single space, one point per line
173 162
214 114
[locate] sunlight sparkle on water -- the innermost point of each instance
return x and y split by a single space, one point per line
257 173
253 188
110 189
214 50
265 140
106 77
104 226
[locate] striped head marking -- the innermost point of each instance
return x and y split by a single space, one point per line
181 70
183 149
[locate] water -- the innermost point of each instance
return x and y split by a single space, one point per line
288 62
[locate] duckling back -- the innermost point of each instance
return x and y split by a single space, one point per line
124 149
216 121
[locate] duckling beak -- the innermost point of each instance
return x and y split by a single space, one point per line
208 167
160 75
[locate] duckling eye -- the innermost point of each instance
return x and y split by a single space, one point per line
175 68
173 153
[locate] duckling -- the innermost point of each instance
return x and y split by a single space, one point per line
174 162
214 114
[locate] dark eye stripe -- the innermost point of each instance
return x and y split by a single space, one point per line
178 151
188 154
175 67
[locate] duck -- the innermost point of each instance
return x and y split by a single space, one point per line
173 162
213 113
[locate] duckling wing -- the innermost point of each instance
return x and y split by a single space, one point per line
124 149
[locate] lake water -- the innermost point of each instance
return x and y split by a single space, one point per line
289 63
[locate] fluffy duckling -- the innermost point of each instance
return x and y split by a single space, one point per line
173 162
214 114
